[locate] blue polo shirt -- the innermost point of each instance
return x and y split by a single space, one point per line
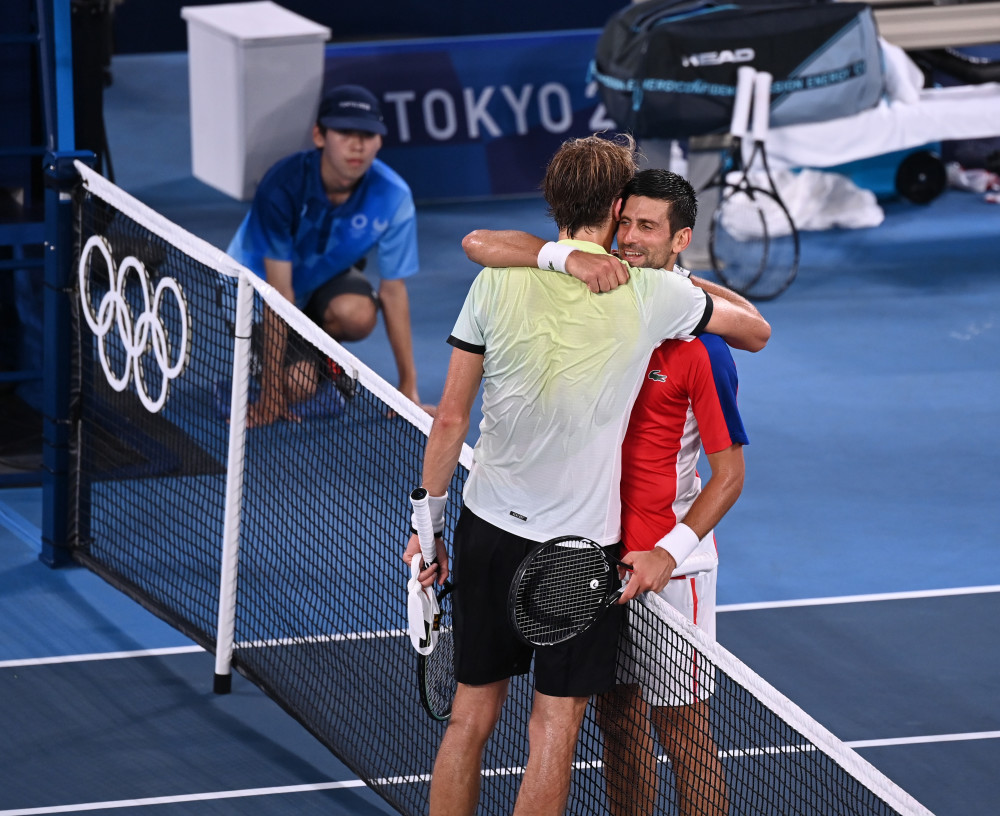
291 219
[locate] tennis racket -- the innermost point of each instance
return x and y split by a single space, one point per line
737 242
561 588
782 257
430 621
436 671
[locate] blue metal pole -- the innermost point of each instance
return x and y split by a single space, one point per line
56 57
60 177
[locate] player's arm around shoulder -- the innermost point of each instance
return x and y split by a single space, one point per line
734 318
502 248
512 248
601 273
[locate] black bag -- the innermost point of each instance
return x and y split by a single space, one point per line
667 68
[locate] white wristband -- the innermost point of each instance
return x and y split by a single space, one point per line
436 505
553 256
679 542
680 270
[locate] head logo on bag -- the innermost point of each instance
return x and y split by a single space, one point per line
718 57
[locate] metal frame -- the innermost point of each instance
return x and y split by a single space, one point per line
55 54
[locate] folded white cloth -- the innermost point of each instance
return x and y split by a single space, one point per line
815 199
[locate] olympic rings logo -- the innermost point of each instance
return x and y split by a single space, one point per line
137 335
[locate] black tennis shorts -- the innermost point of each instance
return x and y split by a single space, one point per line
486 646
353 281
349 282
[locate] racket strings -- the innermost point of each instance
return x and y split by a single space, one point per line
438 675
561 591
782 261
754 243
739 240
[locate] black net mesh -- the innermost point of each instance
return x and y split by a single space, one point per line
321 587
150 486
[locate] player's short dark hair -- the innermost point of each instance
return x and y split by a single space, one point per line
584 179
670 187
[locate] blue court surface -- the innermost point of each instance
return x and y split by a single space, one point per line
860 569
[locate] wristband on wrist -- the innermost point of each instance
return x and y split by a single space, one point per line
679 542
437 504
680 270
552 256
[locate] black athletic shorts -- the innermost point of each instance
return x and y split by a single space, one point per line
351 282
486 646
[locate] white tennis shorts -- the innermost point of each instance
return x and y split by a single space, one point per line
668 669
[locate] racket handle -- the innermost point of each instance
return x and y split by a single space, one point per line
741 103
423 524
761 105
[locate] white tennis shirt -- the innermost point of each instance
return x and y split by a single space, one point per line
562 367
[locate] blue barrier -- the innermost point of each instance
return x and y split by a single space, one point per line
472 117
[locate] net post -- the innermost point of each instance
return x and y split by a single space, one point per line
58 463
234 488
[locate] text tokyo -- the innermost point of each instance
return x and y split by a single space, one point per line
444 115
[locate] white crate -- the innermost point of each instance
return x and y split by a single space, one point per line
256 74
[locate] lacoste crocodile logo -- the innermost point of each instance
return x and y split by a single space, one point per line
657 376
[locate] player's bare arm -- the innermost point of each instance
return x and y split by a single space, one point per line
444 445
739 324
720 492
504 248
651 569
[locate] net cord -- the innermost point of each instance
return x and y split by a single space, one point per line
848 759
203 252
226 630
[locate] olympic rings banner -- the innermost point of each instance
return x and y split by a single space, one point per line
134 328
473 117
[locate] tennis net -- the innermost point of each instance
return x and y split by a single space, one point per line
246 541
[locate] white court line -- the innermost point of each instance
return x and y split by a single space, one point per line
744 607
972 735
847 599
173 800
83 658
357 783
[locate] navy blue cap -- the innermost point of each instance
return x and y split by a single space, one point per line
351 107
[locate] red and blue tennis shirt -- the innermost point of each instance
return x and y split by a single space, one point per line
687 400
